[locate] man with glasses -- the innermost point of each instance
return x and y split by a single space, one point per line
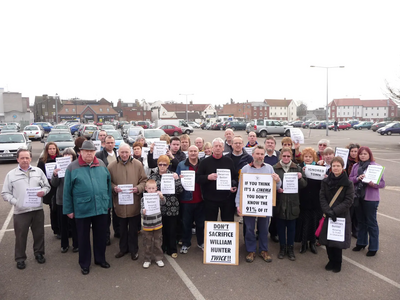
288 143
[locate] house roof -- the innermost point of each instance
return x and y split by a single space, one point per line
278 102
359 102
181 107
191 115
98 109
258 104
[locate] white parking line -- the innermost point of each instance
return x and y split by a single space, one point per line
391 160
192 288
6 222
12 229
398 220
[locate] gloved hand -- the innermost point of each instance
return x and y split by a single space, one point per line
331 215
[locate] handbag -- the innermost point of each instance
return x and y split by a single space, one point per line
321 222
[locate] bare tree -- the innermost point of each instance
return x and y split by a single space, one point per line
301 110
393 93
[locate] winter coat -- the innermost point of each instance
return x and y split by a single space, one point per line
309 196
288 205
103 155
41 165
341 207
371 193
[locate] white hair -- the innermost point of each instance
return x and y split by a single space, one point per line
123 145
324 141
217 140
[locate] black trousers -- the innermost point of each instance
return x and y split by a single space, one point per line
128 241
66 224
334 254
54 217
169 234
227 208
115 223
99 227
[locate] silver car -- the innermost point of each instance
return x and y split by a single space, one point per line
63 139
263 128
11 142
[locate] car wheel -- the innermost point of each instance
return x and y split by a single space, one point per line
347 128
389 133
187 132
287 133
382 133
176 133
263 133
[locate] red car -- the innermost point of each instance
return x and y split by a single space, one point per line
341 125
171 130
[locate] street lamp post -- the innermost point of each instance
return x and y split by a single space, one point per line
56 108
186 105
327 89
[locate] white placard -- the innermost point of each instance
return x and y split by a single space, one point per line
315 172
297 135
336 230
257 192
151 203
225 153
201 155
249 150
97 144
125 197
290 183
167 184
374 174
145 151
62 164
160 148
221 243
343 153
31 199
49 167
224 180
188 180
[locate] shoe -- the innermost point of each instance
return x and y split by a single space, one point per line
64 249
120 254
108 243
250 257
275 238
358 248
193 230
184 249
290 253
104 265
313 248
174 255
337 267
371 253
329 266
180 243
85 271
303 248
282 251
201 247
75 249
265 256
21 265
160 263
117 235
40 259
241 221
146 264
135 256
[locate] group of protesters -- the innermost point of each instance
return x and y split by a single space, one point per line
88 196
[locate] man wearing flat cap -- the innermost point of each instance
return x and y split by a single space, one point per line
87 198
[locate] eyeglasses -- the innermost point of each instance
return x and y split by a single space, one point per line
286 156
162 165
323 145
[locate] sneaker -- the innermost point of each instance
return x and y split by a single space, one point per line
265 256
146 264
184 249
193 230
160 263
250 257
241 221
201 247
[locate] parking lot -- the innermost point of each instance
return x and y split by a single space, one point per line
188 278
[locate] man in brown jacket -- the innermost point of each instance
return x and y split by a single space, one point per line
127 171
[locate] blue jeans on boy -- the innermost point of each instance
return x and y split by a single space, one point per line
192 212
250 236
367 224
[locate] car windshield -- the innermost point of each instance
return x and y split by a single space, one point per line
90 128
10 127
11 138
134 132
61 127
59 138
153 134
31 128
115 134
126 126
104 127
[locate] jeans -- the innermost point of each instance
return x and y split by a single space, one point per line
367 224
192 212
282 225
250 237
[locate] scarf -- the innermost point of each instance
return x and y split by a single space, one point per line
333 181
285 167
360 186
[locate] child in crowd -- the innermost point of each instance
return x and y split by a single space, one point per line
152 233
328 155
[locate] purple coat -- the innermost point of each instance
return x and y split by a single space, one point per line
371 193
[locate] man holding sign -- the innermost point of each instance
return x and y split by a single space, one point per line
264 193
127 171
28 208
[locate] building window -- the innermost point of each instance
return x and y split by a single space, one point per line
54 106
100 109
46 113
248 106
129 104
377 108
73 109
377 114
255 114
53 113
108 109
144 113
43 106
384 114
366 114
392 109
66 110
281 114
333 108
138 113
260 114
372 114
265 113
239 109
392 113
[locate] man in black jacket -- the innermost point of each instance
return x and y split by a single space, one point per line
174 153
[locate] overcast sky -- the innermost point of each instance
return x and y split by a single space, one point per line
216 50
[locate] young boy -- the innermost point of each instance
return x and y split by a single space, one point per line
152 233
328 155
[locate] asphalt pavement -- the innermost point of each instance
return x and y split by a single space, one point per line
188 278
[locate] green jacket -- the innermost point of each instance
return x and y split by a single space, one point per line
87 189
288 205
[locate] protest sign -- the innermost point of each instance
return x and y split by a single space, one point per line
151 203
97 144
160 148
315 172
224 179
167 184
125 197
62 164
297 135
49 167
336 230
290 183
188 180
31 199
374 174
343 153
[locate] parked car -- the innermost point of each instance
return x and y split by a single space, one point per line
2 125
321 125
88 130
34 132
265 127
378 125
11 142
297 123
144 124
132 133
125 128
62 138
218 126
353 122
204 125
234 125
341 125
121 123
16 124
364 124
152 135
74 127
115 133
9 128
306 124
390 128
60 126
107 127
313 125
171 130
194 124
46 126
